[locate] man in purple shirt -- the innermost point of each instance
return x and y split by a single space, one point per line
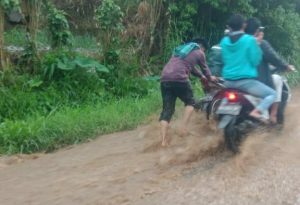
175 83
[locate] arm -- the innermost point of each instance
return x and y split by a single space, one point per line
203 65
196 72
272 57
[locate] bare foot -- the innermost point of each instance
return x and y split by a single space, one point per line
257 115
165 143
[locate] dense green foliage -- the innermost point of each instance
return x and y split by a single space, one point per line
60 64
208 18
58 26
10 4
109 17
99 74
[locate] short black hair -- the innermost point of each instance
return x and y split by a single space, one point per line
253 25
236 22
203 42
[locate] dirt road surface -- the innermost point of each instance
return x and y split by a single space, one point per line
130 168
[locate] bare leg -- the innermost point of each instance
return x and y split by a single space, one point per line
257 114
164 125
186 118
274 110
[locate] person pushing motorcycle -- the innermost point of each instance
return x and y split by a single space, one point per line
175 82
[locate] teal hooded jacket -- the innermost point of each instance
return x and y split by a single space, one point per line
240 58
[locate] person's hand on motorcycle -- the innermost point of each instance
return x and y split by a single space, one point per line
291 68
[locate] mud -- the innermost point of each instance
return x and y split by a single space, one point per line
131 168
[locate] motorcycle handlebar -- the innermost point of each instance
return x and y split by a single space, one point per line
290 68
207 84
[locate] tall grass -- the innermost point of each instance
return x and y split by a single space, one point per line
74 125
17 37
85 41
174 39
24 95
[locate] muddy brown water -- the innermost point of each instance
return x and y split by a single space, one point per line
130 168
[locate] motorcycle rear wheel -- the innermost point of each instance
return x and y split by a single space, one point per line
233 137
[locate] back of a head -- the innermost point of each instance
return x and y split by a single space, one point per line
236 22
253 25
203 42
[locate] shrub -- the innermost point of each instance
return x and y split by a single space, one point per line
58 26
109 17
59 64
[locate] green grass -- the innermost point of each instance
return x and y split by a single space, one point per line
17 37
38 114
86 41
25 95
75 125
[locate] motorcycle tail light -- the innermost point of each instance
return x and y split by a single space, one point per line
231 96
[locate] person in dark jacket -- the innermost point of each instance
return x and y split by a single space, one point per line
215 62
270 57
175 82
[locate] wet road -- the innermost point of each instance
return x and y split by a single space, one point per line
131 168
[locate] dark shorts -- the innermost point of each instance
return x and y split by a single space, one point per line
170 91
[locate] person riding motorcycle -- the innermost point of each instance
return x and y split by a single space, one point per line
215 58
241 54
270 57
175 82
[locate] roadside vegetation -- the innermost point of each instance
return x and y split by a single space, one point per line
75 125
73 70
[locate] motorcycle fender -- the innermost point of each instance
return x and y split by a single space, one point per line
225 120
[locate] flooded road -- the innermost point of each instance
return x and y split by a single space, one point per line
131 168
